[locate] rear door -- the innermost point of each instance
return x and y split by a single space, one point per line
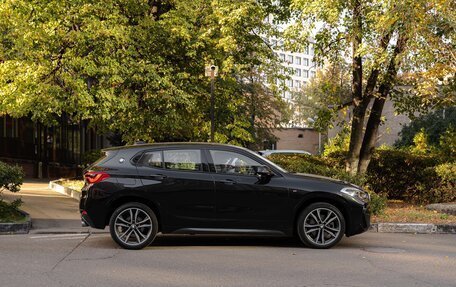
178 179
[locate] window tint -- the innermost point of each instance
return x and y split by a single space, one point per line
183 159
234 163
152 159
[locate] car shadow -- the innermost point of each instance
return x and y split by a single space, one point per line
225 240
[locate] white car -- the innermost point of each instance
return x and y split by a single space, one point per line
267 153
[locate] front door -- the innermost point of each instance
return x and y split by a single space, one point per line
243 199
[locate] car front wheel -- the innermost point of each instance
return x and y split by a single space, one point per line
133 225
321 225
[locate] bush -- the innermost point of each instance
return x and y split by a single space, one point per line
377 204
397 173
11 177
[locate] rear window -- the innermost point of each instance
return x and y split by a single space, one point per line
104 157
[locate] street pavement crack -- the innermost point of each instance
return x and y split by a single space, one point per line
69 253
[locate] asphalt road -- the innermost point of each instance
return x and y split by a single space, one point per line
370 259
54 254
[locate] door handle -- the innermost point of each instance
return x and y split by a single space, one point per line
228 181
158 176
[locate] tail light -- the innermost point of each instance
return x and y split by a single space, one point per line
95 176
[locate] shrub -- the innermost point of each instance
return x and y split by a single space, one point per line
11 177
397 173
377 204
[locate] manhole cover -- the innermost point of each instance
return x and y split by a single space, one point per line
384 250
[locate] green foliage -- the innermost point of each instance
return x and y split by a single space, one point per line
322 98
377 204
11 177
418 178
9 212
137 67
447 143
420 141
338 144
434 125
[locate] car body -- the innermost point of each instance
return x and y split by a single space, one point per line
214 188
269 152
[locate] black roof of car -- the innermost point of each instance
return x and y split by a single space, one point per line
162 144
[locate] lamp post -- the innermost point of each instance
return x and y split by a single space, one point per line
212 71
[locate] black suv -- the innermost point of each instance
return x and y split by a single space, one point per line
193 188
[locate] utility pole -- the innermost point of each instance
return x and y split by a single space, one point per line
212 71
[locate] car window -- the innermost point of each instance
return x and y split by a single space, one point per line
183 159
234 163
152 159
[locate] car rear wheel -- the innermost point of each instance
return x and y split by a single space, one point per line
133 225
321 225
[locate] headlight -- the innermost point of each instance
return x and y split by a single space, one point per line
356 193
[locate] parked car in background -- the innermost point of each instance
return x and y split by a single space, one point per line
268 152
190 188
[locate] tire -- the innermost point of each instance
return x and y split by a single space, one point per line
133 226
324 225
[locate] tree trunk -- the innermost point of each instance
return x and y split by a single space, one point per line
373 124
360 104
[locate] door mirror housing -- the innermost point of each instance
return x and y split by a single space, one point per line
264 171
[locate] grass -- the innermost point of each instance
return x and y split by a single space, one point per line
73 184
9 213
399 211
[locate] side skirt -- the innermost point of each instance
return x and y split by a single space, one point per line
228 231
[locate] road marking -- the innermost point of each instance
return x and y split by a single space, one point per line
60 235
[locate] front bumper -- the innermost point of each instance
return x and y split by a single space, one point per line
359 220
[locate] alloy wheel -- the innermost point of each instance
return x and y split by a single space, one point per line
133 226
322 226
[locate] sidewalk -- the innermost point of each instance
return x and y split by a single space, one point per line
50 211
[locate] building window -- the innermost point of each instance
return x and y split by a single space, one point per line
298 72
282 57
297 84
312 74
290 83
290 59
306 74
306 62
298 60
307 50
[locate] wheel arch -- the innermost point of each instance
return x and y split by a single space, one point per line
131 198
334 199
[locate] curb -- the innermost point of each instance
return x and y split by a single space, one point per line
417 228
17 228
55 186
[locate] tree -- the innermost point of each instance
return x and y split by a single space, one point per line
324 96
382 40
137 67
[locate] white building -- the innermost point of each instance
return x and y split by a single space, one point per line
301 65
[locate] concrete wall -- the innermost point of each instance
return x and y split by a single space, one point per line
297 138
389 130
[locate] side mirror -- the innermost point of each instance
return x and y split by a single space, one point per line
264 172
